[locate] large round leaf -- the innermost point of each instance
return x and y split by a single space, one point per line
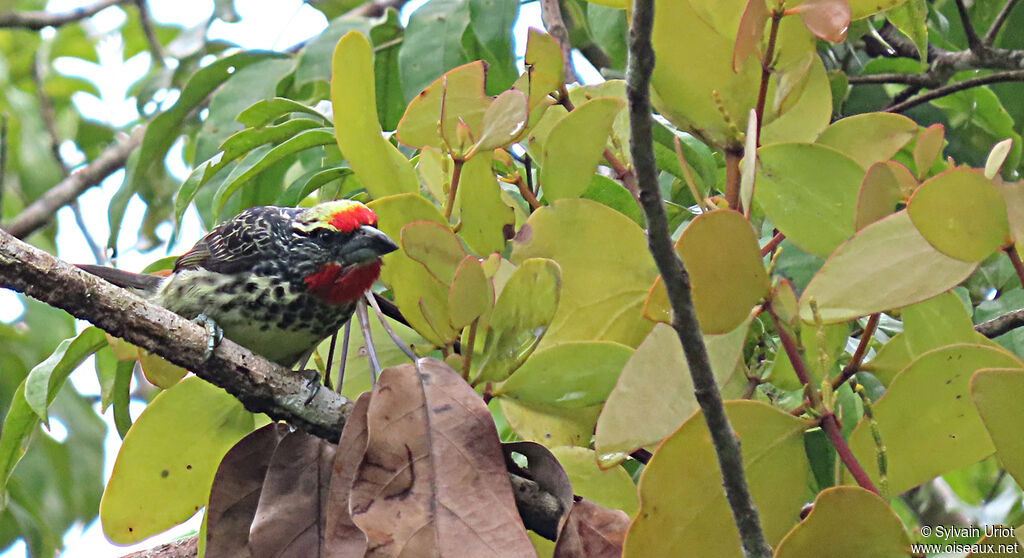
927 421
961 214
682 503
851 523
568 374
809 191
870 138
165 467
997 393
886 265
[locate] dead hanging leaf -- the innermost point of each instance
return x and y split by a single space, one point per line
288 522
751 30
433 481
236 491
542 468
826 19
342 539
592 531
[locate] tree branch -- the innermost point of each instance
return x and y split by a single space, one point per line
551 15
38 20
36 215
677 283
156 50
973 42
262 386
999 77
997 23
1001 324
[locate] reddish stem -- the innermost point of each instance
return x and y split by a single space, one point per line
772 244
1018 266
766 71
853 366
732 176
829 423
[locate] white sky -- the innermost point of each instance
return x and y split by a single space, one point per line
265 25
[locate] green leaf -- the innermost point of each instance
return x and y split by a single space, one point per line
608 192
378 164
928 148
471 295
417 292
939 321
19 423
462 90
435 246
961 214
265 111
860 9
574 147
388 83
814 214
927 421
246 140
878 196
543 61
521 317
869 138
432 44
682 502
611 488
570 375
503 123
311 182
549 425
727 277
166 464
606 270
886 265
314 61
484 215
491 24
46 378
911 20
304 140
654 393
608 29
851 522
997 393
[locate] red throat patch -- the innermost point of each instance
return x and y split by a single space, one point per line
334 287
353 218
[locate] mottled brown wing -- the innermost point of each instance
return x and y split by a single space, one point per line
235 245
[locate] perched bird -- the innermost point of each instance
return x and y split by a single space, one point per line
276 280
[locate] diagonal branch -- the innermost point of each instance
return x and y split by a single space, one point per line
998 77
38 20
263 387
997 23
677 283
36 215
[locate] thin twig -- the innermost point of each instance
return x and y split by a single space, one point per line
387 327
766 70
853 366
330 360
997 23
371 352
3 157
733 155
36 215
38 20
1018 266
344 354
998 77
467 355
1001 325
551 15
449 204
677 283
973 42
156 50
772 244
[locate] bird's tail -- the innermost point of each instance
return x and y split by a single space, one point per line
124 279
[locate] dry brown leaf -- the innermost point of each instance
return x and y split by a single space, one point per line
236 491
748 36
433 481
592 531
342 539
544 469
288 522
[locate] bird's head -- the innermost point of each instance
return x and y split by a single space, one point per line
345 234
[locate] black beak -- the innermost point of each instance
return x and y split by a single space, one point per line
367 243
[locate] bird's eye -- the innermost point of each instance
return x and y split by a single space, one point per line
320 234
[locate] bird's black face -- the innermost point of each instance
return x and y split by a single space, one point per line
361 245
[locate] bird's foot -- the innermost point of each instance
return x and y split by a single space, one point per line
214 334
312 383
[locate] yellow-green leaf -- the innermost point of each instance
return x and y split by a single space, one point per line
860 9
869 138
997 394
415 288
851 523
886 265
471 294
435 246
927 421
961 214
543 61
483 213
606 270
520 318
928 148
166 464
571 375
682 502
574 147
503 123
548 425
654 392
462 92
878 195
381 168
611 488
158 371
813 213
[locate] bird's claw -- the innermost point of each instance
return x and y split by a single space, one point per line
312 382
214 334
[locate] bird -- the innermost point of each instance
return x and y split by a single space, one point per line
276 280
